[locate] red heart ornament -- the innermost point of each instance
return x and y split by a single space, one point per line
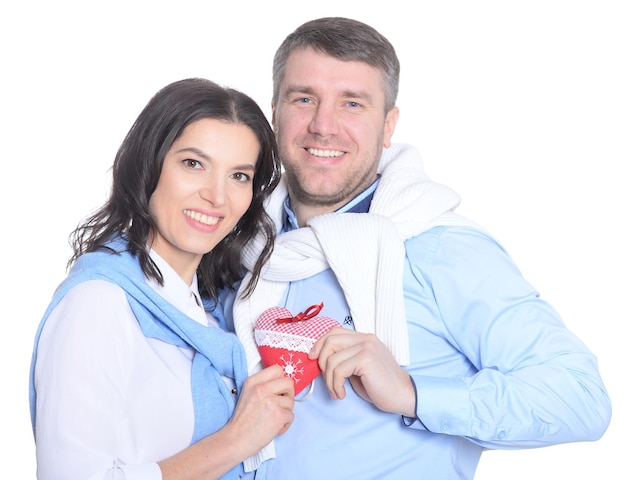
287 340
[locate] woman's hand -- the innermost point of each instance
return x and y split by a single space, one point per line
265 407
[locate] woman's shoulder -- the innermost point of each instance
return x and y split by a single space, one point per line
96 293
92 306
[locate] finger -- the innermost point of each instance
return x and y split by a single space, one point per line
340 366
285 428
357 386
323 340
279 383
285 388
333 345
274 371
334 340
265 375
271 381
287 405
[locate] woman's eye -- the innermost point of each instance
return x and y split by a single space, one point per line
190 162
242 177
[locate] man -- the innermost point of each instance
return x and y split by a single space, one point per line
446 349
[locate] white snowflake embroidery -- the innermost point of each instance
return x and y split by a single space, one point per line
292 369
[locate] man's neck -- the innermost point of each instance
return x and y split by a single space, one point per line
359 204
305 212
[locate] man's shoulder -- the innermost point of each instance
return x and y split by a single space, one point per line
448 235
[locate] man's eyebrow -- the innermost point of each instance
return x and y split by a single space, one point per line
362 95
298 89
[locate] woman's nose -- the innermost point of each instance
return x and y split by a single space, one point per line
214 191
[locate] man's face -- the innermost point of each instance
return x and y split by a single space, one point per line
331 127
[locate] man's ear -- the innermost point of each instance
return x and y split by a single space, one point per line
273 117
391 119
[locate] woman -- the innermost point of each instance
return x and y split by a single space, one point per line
132 377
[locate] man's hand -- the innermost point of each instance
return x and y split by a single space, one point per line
367 362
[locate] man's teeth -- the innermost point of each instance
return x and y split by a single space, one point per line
325 153
201 217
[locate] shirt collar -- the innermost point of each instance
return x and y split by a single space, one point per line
359 204
176 291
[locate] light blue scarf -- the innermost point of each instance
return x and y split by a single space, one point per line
218 352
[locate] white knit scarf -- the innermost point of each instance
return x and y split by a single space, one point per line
364 250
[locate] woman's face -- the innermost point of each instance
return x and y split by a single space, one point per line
204 189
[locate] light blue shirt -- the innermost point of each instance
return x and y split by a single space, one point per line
493 365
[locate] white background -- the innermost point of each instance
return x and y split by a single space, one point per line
519 106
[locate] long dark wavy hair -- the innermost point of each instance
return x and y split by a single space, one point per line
137 168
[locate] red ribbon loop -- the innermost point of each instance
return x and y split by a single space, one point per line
310 312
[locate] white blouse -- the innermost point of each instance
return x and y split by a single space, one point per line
110 401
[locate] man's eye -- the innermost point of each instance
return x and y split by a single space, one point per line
304 100
353 104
